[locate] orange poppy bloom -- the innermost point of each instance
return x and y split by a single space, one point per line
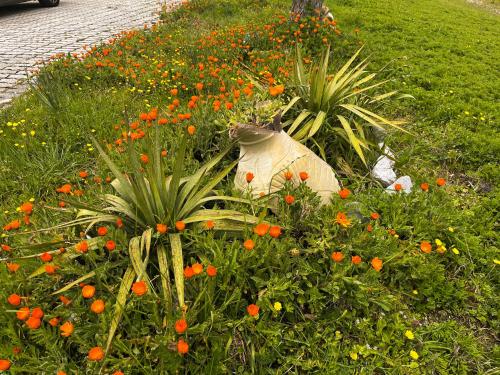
249 177
67 329
65 189
191 130
199 86
119 223
14 299
37 312
374 216
96 354
161 228
50 269
210 224
140 288
88 291
344 193
342 220
180 225
398 187
197 268
33 323
97 306
424 186
249 244
65 300
5 247
174 92
303 176
426 247
188 272
110 245
356 259
289 199
337 256
182 347
4 364
261 229
46 257
27 208
440 182
253 309
377 264
275 231
82 247
102 231
144 159
118 372
276 90
54 322
83 174
211 271
288 175
13 267
23 313
180 326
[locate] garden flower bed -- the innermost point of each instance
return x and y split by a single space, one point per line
131 251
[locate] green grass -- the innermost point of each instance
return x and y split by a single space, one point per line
444 53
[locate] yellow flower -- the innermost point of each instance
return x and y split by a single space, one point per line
415 291
414 355
353 355
455 251
277 306
451 229
409 335
496 261
438 242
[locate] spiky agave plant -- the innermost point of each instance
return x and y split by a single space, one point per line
337 102
145 197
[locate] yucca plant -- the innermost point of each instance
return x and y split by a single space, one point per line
336 103
145 197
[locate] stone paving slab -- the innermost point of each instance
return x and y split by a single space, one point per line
30 34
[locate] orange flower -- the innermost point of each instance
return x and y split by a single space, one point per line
344 193
188 272
46 257
118 372
377 264
182 347
50 269
356 259
288 175
37 313
191 130
33 323
54 321
102 231
174 92
261 229
83 174
197 268
253 309
276 90
337 256
440 182
199 86
180 326
424 186
27 208
96 354
23 313
249 244
88 291
65 189
144 159
13 225
13 267
65 300
426 247
289 199
82 247
249 177
398 187
4 364
61 372
161 228
211 271
67 329
119 223
303 176
110 245
5 247
14 299
209 224
275 231
140 288
97 306
342 220
180 225
374 216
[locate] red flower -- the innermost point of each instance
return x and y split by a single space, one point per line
303 176
374 216
289 199
110 245
102 231
253 309
180 326
182 347
249 177
424 186
398 187
4 364
440 182
46 257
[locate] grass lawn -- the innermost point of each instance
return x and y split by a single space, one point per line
319 311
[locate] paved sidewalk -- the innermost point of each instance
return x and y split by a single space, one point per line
30 33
